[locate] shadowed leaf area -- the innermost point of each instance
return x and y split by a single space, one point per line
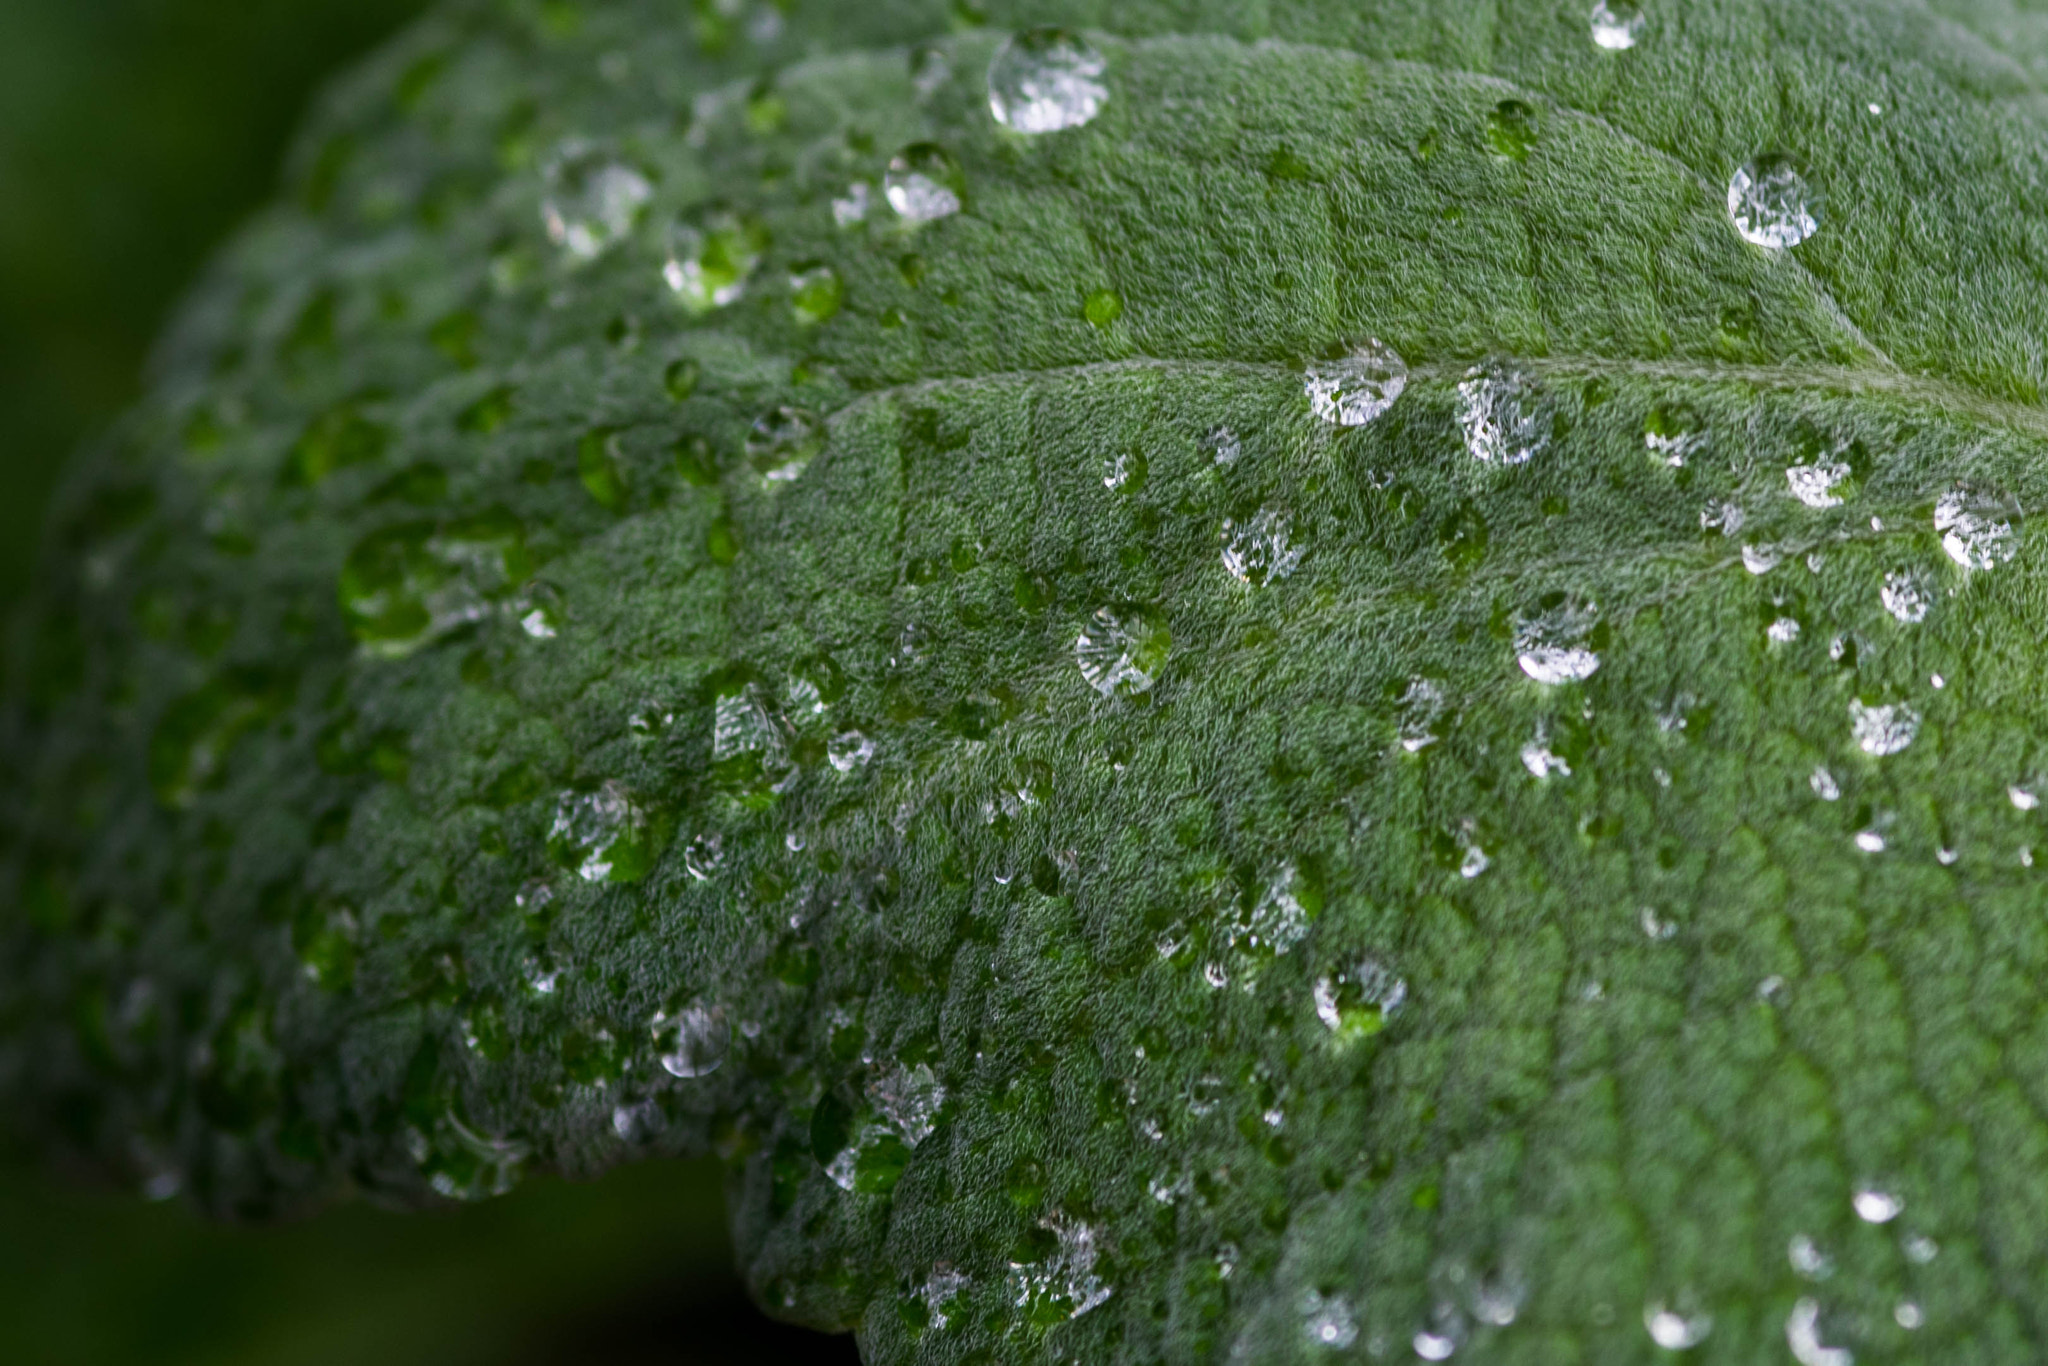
1263 683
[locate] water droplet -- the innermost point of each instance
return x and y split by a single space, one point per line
1353 390
1727 518
1884 729
783 443
640 1123
1103 307
1617 24
1783 631
1124 472
1503 420
605 836
1920 1249
1761 559
1656 929
1121 651
1422 706
1224 447
1870 841
1259 551
1807 1259
691 1043
1062 1284
1434 1346
924 183
1327 1321
1676 1332
816 293
1511 129
1905 596
1474 862
1874 1206
742 724
1814 485
704 857
1802 1335
849 750
1977 529
1359 1002
1824 785
1769 202
591 200
853 208
939 1291
710 261
1553 646
1672 434
909 1100
1908 1315
1046 79
1279 917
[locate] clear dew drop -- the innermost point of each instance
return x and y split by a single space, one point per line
1815 484
816 292
1046 79
1261 550
1905 595
1434 1346
1919 1248
853 206
1874 1206
1770 204
1908 1315
782 444
605 836
1978 530
1327 1321
2021 798
710 261
1541 761
1358 1002
1552 646
1422 707
849 750
924 183
1883 729
1617 24
1354 389
1676 1332
908 1099
1761 559
693 1042
1064 1284
939 1291
742 724
1120 652
1504 420
591 200
1783 631
1726 518
1802 1335
1807 1259
1824 785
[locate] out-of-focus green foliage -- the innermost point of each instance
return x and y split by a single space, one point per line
689 591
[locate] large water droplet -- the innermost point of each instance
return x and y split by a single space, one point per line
1770 204
924 183
1554 645
1978 530
709 262
592 200
1046 79
1121 651
1617 24
1353 390
1259 551
691 1043
1883 729
1505 422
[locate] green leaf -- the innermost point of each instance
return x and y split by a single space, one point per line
1376 695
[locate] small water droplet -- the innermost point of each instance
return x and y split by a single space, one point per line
1553 646
1676 1332
1883 729
710 261
1511 129
1874 1206
1124 472
1905 596
691 1043
1920 1249
924 183
1422 706
1907 1314
1354 389
816 292
1102 307
1261 550
782 444
1327 1320
1977 529
1504 421
1783 631
1770 204
1046 79
1870 841
1655 928
1121 651
605 836
1541 761
1617 24
939 1291
1761 559
1802 1335
909 1099
1474 862
1434 1346
1357 1003
849 750
853 207
1815 484
1824 785
1727 518
704 857
591 200
1807 1259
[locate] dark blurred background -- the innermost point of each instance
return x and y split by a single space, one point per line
134 134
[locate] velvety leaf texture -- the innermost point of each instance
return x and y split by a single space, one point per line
692 588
